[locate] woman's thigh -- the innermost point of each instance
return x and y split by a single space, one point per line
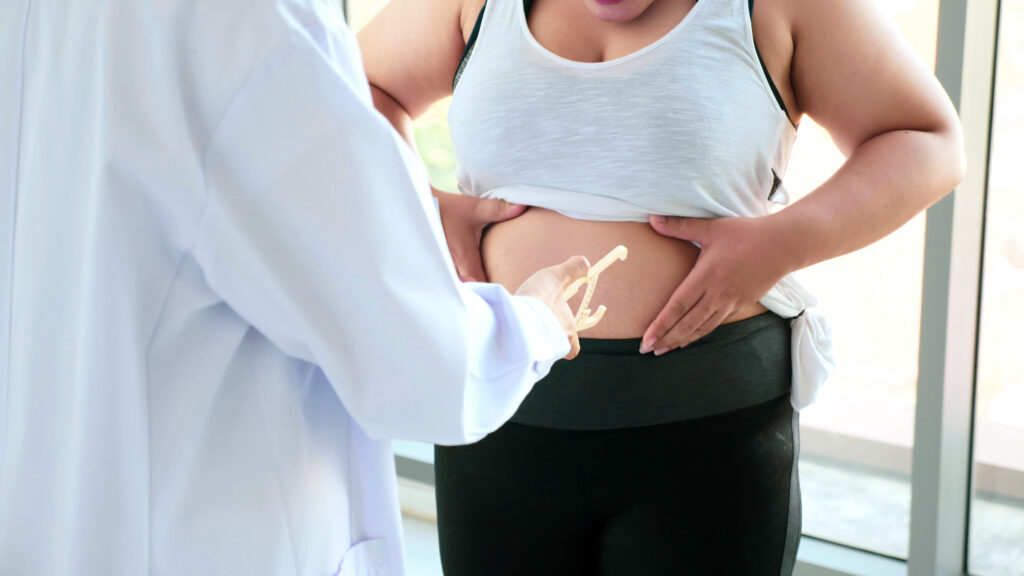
716 495
511 504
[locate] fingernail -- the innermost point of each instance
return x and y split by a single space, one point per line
645 347
660 351
658 218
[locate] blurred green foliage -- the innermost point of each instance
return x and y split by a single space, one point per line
435 145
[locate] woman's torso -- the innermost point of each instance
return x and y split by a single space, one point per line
635 290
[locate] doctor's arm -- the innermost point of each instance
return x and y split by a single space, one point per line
307 188
855 75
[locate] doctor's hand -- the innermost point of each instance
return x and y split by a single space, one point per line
739 262
549 285
464 219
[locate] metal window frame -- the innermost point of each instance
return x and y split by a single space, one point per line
954 238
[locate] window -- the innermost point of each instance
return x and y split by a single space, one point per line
856 441
996 545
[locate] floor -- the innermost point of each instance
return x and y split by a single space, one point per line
421 554
872 511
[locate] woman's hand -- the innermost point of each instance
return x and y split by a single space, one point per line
549 286
464 219
738 264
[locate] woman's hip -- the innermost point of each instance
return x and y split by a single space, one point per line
611 385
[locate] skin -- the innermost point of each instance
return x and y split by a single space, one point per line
841 62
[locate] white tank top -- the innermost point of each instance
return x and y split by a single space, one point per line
687 126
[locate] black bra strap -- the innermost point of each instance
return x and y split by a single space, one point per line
469 47
468 50
767 75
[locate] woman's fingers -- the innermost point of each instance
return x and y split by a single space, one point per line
685 332
462 233
692 229
673 336
706 297
685 297
464 219
491 210
485 212
465 250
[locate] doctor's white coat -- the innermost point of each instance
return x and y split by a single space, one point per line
221 290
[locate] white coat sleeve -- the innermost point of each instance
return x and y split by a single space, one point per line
319 230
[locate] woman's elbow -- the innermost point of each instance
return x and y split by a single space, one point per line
955 154
952 156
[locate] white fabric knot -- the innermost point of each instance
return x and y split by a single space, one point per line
812 352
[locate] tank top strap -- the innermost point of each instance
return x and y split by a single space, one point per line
495 18
739 9
501 17
734 19
734 14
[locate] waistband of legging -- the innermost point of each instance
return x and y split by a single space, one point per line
724 332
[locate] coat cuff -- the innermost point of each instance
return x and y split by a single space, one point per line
545 336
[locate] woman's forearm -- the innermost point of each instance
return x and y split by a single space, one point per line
884 183
393 111
399 119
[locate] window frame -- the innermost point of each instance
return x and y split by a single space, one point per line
941 489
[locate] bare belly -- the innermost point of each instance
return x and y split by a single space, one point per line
634 290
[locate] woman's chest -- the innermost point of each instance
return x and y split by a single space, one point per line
651 130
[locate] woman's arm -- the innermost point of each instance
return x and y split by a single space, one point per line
410 51
853 73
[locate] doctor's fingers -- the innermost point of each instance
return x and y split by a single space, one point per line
565 274
549 284
570 271
574 346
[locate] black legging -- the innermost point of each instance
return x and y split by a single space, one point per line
713 495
